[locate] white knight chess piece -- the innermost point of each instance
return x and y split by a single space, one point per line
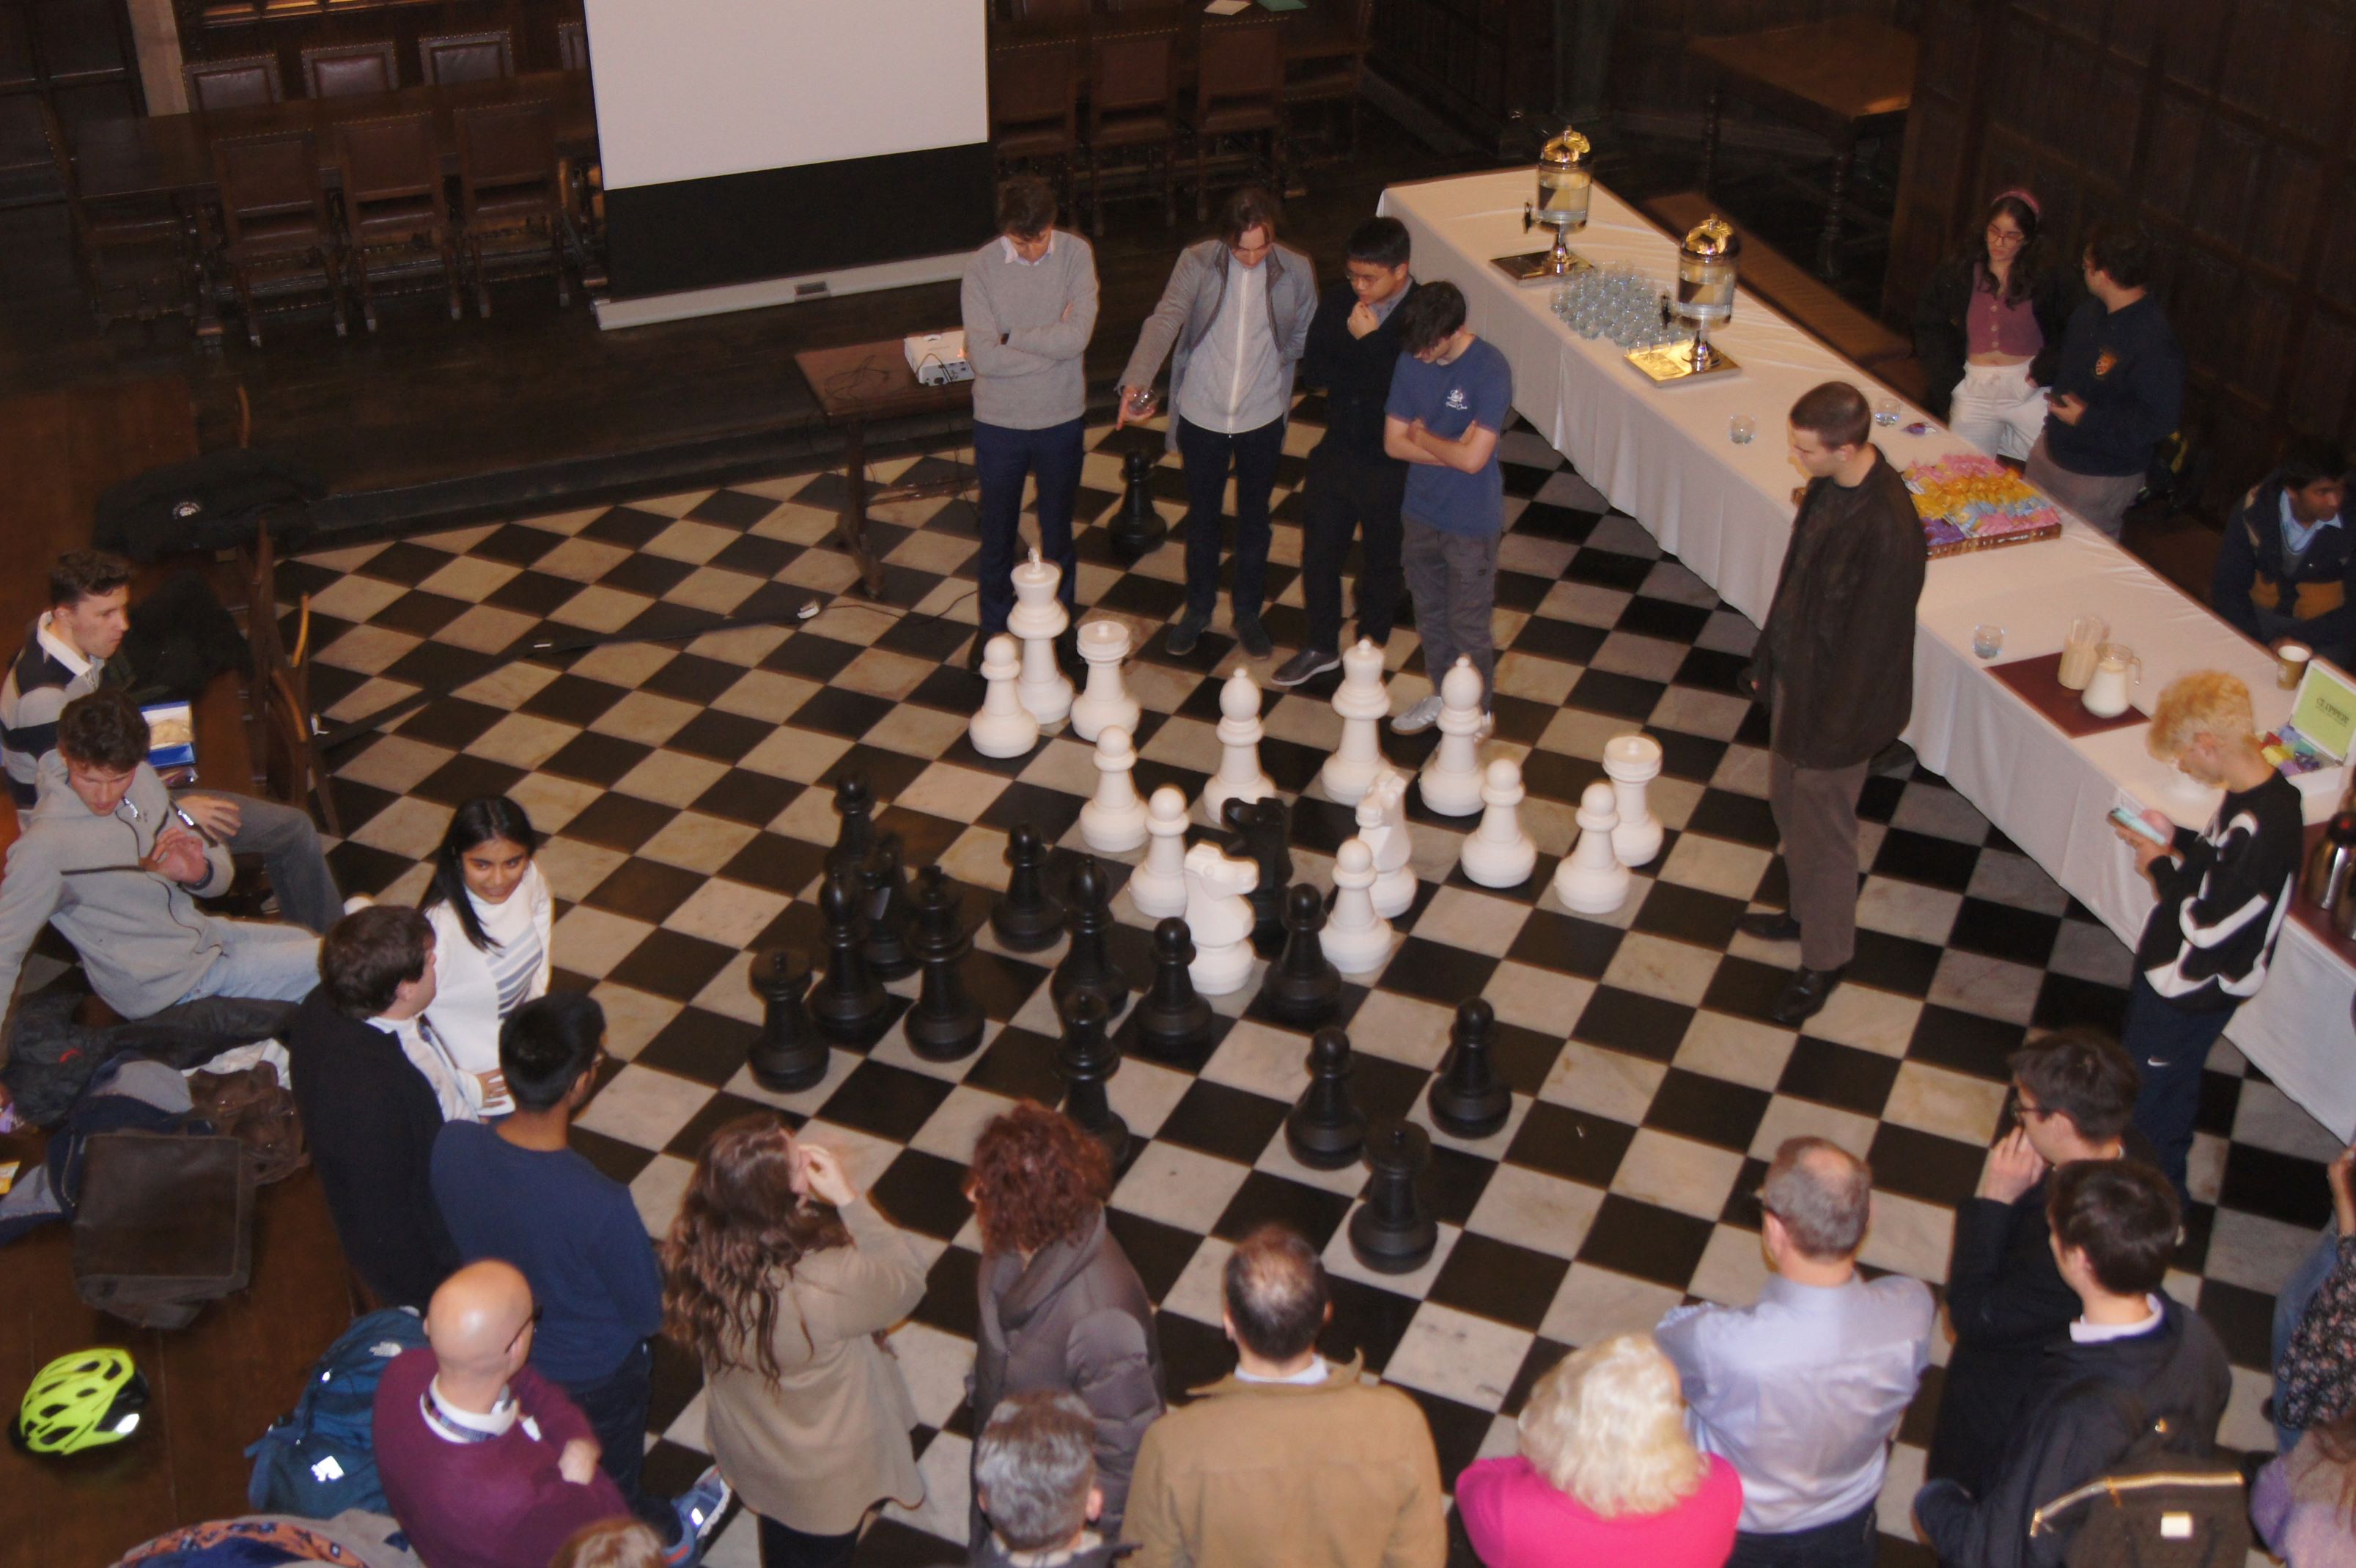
1219 919
1382 823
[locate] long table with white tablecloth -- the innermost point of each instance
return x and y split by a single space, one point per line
1663 456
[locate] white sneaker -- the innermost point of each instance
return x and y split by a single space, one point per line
357 902
1488 727
1419 718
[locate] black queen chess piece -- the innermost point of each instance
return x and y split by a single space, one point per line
1173 1020
1393 1232
946 1024
849 1002
1302 988
1026 917
1467 1098
1326 1130
789 1054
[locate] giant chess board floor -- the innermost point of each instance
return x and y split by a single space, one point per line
686 780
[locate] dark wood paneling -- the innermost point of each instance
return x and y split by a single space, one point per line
218 31
75 55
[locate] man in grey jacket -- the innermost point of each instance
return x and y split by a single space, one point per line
1237 310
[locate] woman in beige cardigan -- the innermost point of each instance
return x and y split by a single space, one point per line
783 1279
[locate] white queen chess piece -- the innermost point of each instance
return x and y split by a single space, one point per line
1106 702
1499 853
1452 779
1115 819
1158 887
1038 619
1633 761
1356 938
1593 881
1382 825
1219 919
1239 777
1002 726
1362 703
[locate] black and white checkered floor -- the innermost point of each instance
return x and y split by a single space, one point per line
687 786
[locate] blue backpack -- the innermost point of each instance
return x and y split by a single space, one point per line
319 1459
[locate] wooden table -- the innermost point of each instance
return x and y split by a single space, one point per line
1843 80
871 381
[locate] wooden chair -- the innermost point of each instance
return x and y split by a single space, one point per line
294 769
1133 103
1331 70
1239 92
510 187
391 171
231 83
1035 108
275 218
572 45
137 252
452 58
351 70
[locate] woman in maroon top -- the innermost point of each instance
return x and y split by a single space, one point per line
1988 328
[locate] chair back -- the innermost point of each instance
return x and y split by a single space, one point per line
1033 11
351 71
53 136
1033 87
572 45
265 177
392 159
452 58
1240 61
231 83
1132 73
505 149
292 766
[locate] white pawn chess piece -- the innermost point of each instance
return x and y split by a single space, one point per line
1499 853
1452 779
1362 703
1593 881
1003 726
1239 777
1219 919
1106 702
1382 823
1158 887
1632 761
1357 938
1115 819
1038 619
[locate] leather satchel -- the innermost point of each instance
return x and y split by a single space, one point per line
166 1224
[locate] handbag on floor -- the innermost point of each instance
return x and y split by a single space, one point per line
165 1225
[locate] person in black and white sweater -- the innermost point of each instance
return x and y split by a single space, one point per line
2222 896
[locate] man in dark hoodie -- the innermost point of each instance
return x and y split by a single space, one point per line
2287 570
2114 1228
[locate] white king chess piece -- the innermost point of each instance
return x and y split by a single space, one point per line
1106 702
1356 938
1633 761
1219 919
1039 618
1382 823
1362 703
1239 777
1592 881
1452 779
1115 819
1002 726
1158 887
1499 853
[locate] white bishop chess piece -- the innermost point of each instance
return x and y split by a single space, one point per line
1158 887
1382 825
1002 726
1499 853
1239 777
1115 819
1592 881
1452 779
1356 938
1038 619
1219 919
1362 703
1106 702
1633 761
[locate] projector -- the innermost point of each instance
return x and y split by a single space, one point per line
938 358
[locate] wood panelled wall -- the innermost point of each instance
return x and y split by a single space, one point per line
222 29
2226 127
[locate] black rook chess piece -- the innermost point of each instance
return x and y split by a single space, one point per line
1173 1020
1393 1231
1026 917
855 840
884 905
1261 831
1326 1130
1088 1061
789 1055
849 1001
946 1023
1137 527
1302 987
1087 967
1468 1098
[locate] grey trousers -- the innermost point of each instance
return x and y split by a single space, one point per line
2100 498
1453 578
1816 810
288 842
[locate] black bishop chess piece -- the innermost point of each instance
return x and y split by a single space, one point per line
1088 968
946 1023
1302 987
1088 1061
1393 1232
849 1002
884 911
1173 1020
789 1054
1026 917
1468 1098
854 841
1327 1131
1136 528
1261 831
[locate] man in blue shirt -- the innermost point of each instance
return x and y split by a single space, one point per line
1450 395
2286 572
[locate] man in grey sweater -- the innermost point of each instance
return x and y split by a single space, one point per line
1029 301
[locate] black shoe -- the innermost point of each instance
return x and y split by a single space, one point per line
975 650
1068 656
1253 637
1769 925
1184 633
1304 665
1804 997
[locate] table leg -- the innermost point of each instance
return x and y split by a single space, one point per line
1709 136
853 528
1829 253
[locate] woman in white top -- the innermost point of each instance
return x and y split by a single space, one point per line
490 911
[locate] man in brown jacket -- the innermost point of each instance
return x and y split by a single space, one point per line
1292 1461
1835 665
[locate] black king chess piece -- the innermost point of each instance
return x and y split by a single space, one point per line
946 1023
1026 917
1467 1097
789 1054
1326 1131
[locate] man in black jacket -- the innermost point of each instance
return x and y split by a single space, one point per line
2073 1091
1353 486
370 1115
2114 1226
2287 570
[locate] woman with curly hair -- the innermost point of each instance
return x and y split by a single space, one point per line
1061 1307
1988 330
783 1279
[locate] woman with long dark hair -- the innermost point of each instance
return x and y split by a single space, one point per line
783 1279
1988 330
492 918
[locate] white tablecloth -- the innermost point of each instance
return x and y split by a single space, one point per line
1663 456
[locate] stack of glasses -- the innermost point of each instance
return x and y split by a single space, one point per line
1620 303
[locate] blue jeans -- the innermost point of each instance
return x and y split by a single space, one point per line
2290 1305
2170 1046
1001 459
1207 455
260 961
616 1406
1844 1543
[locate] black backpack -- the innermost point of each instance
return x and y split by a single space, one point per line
2167 1502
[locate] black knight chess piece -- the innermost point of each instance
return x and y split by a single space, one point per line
1393 1232
789 1054
1261 831
1136 528
1327 1131
1173 1020
854 841
885 911
1088 1059
1026 917
849 1001
1467 1098
1302 987
946 1023
1088 968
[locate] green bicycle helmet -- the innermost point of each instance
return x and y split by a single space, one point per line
86 1400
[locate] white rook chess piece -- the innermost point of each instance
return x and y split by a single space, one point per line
1593 881
1357 938
1452 779
1003 726
1500 854
1239 777
1158 887
1104 644
1632 761
1039 618
1115 819
1362 703
1219 919
1382 825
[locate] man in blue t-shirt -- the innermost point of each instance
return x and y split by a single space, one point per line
1450 397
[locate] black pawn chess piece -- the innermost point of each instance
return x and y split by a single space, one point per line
1467 1098
1326 1131
855 840
1393 1233
1026 917
946 1023
1173 1020
1089 1059
1302 987
789 1055
849 1001
883 881
1261 831
1088 968
1136 528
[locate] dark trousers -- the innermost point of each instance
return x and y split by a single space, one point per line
1002 458
288 842
2169 1045
1208 456
1844 1543
616 1406
1350 493
783 1546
